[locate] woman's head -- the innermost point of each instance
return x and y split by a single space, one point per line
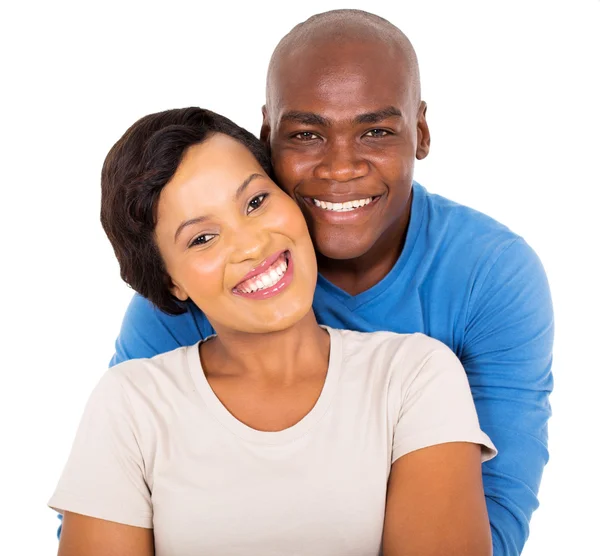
192 213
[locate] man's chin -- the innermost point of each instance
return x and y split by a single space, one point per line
342 249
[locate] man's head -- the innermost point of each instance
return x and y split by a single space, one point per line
344 122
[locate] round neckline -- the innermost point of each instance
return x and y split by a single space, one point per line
241 430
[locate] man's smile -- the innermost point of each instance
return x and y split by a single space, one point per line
340 210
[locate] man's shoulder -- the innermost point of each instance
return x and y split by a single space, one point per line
147 331
461 220
461 236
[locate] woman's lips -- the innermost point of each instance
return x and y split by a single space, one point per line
270 280
262 266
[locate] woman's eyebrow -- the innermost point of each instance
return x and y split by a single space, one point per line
187 223
246 183
199 219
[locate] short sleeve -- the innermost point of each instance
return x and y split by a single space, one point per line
437 405
104 475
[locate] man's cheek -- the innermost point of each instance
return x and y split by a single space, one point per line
296 168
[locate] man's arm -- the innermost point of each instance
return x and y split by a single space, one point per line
507 354
146 331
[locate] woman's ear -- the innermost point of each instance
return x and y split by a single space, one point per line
178 291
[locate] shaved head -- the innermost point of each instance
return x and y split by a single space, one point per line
336 29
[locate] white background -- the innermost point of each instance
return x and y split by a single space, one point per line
513 99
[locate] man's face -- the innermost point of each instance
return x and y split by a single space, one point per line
344 127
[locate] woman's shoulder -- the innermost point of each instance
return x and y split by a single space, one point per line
390 362
415 347
159 375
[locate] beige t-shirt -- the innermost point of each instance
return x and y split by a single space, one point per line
157 449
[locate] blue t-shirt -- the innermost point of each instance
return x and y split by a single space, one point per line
470 282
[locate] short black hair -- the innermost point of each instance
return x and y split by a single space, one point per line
134 173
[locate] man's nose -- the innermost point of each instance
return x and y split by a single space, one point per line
342 162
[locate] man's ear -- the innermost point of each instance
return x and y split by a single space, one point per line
265 129
423 136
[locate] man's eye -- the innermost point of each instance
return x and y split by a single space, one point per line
202 239
377 133
305 136
256 202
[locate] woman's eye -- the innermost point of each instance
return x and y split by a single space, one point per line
377 133
256 202
202 239
305 136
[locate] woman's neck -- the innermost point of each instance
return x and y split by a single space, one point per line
276 357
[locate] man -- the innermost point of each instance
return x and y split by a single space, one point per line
344 122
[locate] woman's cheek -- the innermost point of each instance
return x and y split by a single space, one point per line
295 222
205 277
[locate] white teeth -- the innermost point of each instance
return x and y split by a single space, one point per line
265 280
342 207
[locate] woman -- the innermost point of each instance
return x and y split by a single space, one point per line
276 435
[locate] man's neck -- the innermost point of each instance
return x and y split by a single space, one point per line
357 275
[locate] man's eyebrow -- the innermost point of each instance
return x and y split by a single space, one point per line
310 118
199 219
306 118
378 115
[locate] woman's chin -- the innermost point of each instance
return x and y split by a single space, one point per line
266 320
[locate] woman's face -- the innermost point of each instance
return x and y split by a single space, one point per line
233 242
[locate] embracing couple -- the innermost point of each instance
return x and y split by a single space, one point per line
324 358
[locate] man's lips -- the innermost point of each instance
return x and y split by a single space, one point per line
346 197
332 209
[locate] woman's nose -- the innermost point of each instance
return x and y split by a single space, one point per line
250 243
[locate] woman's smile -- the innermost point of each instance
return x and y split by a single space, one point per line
268 279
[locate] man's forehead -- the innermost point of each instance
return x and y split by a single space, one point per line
316 56
350 90
337 67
